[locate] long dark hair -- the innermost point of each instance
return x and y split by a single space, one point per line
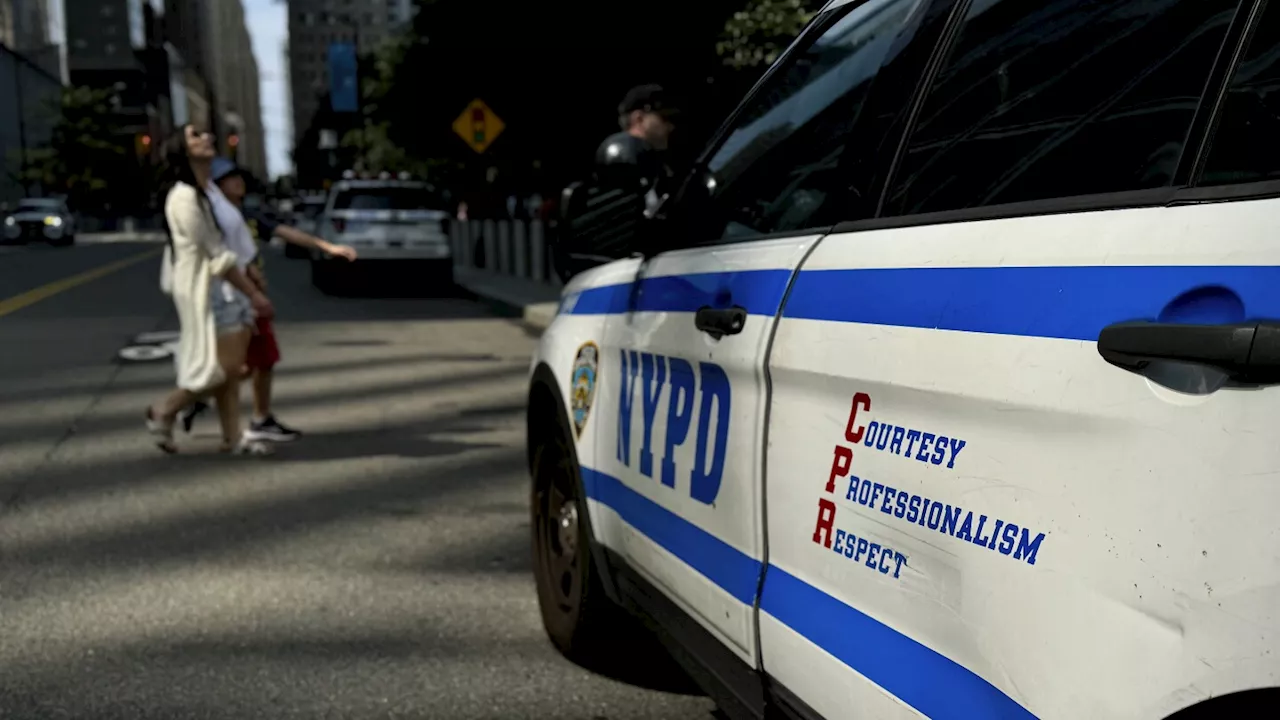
178 170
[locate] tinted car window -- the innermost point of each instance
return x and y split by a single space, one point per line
1245 146
1039 100
779 168
38 204
390 198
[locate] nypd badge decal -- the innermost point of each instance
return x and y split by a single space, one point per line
582 387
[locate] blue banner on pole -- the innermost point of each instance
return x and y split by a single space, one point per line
343 90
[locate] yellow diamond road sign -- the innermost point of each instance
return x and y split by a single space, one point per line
478 126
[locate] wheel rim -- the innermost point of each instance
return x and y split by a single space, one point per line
560 538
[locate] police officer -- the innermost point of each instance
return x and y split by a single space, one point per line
637 153
632 160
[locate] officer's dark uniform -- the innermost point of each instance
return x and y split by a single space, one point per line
622 162
623 158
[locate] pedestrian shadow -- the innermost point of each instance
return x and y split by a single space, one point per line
411 439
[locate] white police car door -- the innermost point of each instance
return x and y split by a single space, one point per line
971 512
686 350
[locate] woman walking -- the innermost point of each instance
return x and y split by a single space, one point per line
216 302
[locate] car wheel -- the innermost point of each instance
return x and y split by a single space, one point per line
578 617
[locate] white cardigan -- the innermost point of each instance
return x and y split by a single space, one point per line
199 254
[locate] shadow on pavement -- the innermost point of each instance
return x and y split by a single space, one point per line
249 520
411 440
104 422
20 392
65 480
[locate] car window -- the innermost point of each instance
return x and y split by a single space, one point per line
1244 146
388 198
778 169
1041 100
37 204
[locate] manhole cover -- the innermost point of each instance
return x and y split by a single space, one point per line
148 353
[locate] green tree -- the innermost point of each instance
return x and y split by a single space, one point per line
84 149
755 36
375 150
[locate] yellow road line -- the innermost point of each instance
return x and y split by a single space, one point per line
30 297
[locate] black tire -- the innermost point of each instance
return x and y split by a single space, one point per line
579 618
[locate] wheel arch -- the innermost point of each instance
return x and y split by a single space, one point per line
1242 704
546 401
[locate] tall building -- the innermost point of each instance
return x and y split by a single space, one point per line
232 73
313 26
184 45
6 23
34 28
119 45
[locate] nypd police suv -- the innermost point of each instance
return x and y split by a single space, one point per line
945 386
394 222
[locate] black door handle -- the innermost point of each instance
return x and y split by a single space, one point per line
1246 352
718 323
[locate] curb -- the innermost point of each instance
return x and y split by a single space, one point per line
108 238
535 317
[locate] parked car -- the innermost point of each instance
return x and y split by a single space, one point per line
47 220
393 223
306 211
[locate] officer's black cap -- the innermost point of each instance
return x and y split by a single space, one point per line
649 98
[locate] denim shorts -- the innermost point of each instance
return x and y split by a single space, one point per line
230 315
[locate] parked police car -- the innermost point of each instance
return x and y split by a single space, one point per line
392 222
306 214
945 386
46 220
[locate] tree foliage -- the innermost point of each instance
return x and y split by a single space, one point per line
83 150
375 150
755 36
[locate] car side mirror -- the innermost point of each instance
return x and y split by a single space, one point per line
597 225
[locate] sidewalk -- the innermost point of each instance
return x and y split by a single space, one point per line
533 302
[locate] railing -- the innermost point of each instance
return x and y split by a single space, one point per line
514 248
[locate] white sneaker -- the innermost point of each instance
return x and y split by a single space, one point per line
252 446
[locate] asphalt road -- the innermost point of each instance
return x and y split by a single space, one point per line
377 568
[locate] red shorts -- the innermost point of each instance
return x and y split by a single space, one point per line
264 353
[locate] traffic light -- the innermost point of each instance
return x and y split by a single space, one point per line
143 145
233 140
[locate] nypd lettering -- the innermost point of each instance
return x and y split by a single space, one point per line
980 529
704 390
